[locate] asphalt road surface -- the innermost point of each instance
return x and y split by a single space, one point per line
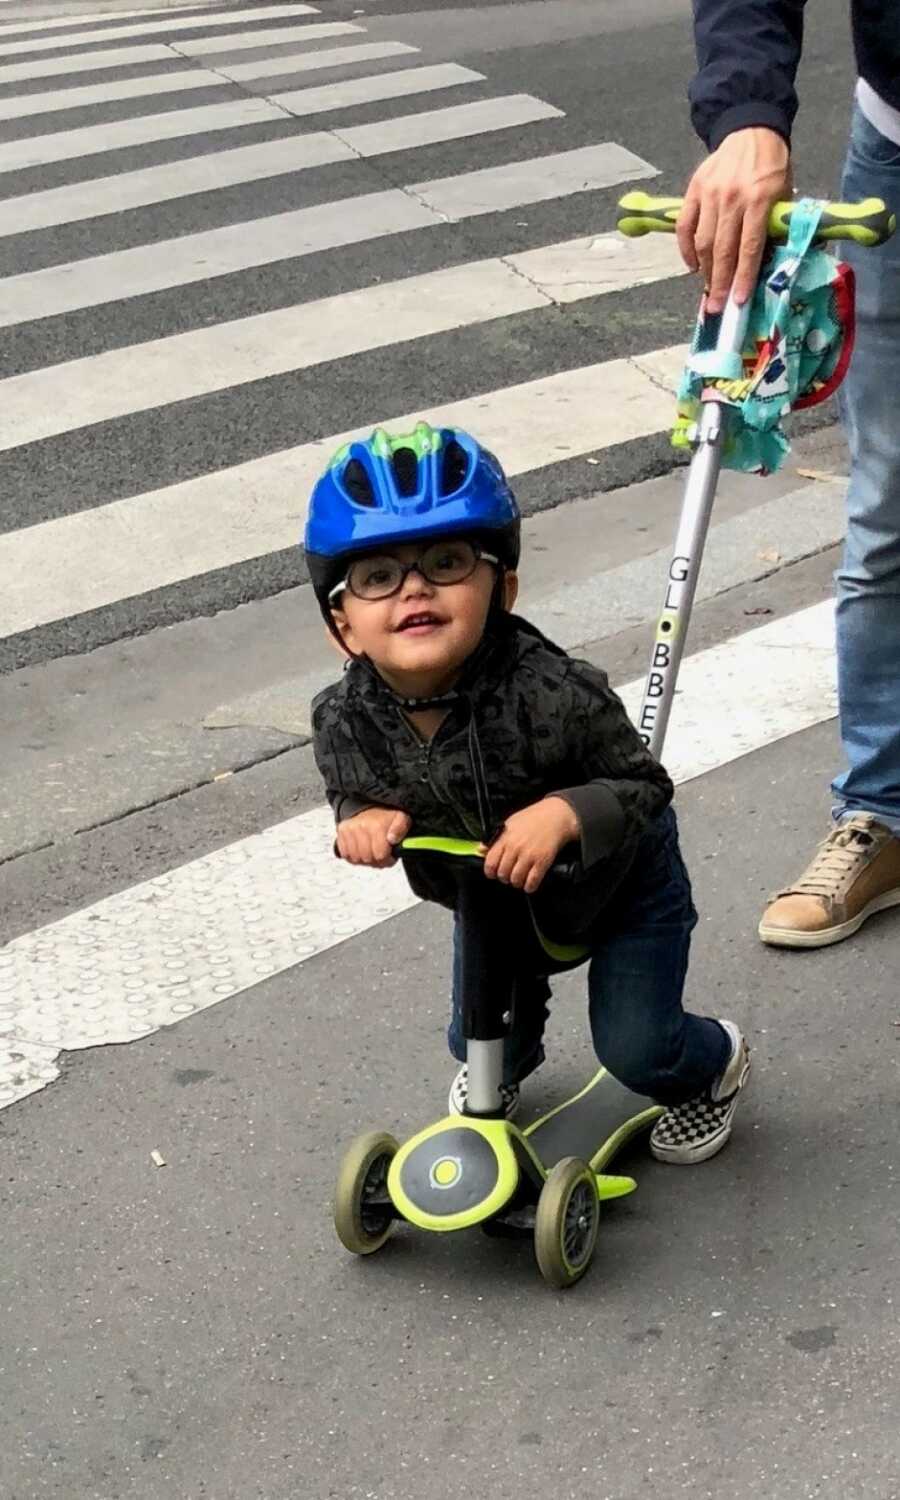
228 237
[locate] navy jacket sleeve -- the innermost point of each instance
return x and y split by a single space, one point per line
747 54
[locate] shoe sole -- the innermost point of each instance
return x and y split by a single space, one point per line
795 937
680 1156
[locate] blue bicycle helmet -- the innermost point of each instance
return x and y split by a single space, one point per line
388 490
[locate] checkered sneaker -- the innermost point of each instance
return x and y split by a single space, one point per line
698 1129
459 1095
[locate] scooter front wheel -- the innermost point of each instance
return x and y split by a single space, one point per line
363 1215
567 1222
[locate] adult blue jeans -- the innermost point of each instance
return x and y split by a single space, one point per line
636 975
868 582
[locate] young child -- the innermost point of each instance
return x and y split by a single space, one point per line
456 717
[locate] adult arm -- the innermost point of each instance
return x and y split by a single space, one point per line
743 104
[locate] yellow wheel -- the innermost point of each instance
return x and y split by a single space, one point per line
566 1223
363 1215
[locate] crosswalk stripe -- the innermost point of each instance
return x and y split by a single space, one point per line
327 96
89 62
288 38
493 189
237 247
111 33
333 57
50 401
301 101
200 174
746 692
122 57
81 562
195 174
215 252
182 941
93 140
24 105
456 121
72 22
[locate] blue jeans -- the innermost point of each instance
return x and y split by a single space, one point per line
635 983
868 583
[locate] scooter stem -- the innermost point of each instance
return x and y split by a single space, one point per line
684 569
485 1063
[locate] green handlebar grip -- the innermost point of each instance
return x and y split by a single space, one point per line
640 214
868 223
437 845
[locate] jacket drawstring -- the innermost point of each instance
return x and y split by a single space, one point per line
485 811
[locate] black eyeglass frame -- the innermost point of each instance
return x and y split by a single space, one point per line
478 554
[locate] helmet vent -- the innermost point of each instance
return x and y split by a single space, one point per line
358 484
454 467
406 472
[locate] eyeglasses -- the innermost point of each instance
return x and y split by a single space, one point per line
378 576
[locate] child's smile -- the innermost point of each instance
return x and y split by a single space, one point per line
419 637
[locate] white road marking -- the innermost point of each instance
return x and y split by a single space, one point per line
311 62
213 252
290 38
87 62
200 174
81 562
152 27
455 122
71 145
80 392
237 247
181 942
85 95
307 101
750 691
177 179
494 189
375 86
70 22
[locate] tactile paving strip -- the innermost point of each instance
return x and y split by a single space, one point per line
176 944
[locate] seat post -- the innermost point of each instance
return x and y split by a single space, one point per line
486 980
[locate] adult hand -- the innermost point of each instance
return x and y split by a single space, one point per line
529 842
371 837
722 225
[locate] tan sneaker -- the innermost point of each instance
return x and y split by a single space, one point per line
854 873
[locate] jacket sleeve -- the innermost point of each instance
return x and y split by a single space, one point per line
341 797
747 54
623 787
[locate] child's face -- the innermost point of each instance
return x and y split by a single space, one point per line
419 637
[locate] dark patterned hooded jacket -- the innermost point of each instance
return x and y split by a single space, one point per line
529 721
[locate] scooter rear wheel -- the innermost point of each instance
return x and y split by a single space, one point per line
567 1223
363 1217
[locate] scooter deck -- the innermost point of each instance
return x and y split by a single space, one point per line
594 1124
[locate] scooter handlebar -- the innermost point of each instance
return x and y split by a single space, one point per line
470 849
431 844
868 223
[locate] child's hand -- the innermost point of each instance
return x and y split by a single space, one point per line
370 838
531 839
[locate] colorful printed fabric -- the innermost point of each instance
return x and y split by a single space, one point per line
797 349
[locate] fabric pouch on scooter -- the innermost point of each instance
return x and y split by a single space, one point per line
797 348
